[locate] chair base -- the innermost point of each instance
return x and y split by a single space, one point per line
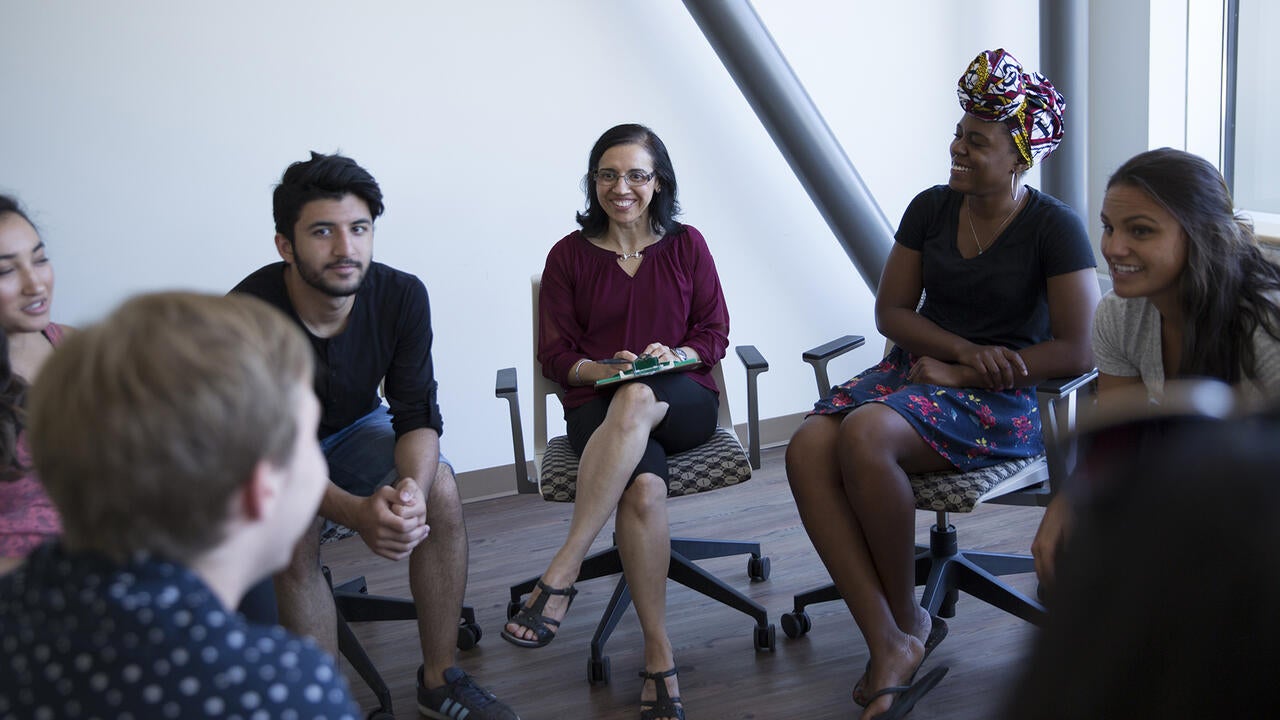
944 570
355 604
684 571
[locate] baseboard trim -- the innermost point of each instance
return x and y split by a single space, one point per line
488 483
773 431
500 481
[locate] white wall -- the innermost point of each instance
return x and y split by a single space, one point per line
1120 81
146 135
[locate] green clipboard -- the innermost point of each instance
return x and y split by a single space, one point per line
627 375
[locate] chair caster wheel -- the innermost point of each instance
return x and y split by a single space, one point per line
598 671
758 568
380 714
766 638
469 635
513 607
796 624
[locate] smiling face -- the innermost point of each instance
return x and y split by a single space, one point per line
626 206
983 157
26 277
1144 245
332 245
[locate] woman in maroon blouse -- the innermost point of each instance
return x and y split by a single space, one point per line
631 282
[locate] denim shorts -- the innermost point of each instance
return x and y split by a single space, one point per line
362 455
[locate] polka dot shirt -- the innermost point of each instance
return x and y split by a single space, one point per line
81 637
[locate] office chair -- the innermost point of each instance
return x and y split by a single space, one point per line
942 567
720 462
355 604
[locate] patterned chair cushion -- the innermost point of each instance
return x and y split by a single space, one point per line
717 463
959 492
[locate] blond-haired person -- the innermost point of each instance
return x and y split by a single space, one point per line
177 440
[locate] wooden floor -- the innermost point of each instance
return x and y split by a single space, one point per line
721 675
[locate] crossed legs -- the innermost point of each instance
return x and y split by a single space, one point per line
849 478
643 534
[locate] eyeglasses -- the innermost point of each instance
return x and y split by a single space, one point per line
634 178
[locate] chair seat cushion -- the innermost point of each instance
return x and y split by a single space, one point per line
719 462
960 492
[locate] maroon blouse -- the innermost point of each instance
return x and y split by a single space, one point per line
589 307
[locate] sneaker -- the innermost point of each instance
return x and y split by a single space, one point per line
460 698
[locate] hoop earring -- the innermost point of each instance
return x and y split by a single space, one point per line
1013 185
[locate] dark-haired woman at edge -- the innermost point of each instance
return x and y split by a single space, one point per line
27 516
1192 296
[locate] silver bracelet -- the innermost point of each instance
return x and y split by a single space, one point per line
577 367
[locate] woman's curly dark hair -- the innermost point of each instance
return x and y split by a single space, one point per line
13 393
13 389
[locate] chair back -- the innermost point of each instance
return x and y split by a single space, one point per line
544 388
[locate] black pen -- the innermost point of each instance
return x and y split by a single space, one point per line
614 361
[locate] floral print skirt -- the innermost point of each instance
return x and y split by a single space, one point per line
969 427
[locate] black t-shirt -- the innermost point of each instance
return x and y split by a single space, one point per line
388 335
998 297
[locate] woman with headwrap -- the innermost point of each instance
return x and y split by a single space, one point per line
1006 274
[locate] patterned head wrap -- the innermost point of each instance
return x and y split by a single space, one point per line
995 89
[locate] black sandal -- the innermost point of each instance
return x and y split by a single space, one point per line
531 618
665 705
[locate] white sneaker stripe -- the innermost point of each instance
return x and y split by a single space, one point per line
454 709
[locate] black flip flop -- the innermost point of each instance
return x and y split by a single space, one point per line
908 695
937 633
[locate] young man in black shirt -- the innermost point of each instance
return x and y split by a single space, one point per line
370 324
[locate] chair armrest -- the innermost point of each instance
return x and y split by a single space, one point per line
819 357
505 385
504 388
1063 386
755 364
1059 412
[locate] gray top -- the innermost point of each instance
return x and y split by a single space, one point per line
1126 343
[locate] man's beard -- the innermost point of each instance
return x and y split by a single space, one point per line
318 281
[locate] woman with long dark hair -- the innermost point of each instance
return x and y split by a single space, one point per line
1192 296
27 516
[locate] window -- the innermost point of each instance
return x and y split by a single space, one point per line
1212 71
1251 146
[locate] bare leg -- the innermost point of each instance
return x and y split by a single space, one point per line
644 542
438 578
877 449
302 595
852 492
606 465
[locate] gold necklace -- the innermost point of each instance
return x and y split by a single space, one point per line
969 213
